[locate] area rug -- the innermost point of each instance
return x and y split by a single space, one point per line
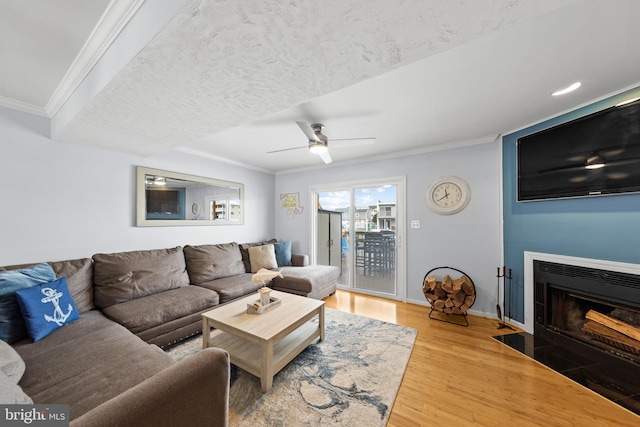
349 379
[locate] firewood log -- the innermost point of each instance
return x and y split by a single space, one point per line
430 297
438 304
606 334
440 293
431 282
469 299
458 299
614 324
467 286
457 284
447 284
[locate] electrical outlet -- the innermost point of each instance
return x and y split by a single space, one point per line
415 224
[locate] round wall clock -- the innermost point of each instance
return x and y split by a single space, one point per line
448 195
195 209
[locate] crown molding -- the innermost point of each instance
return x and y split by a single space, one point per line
204 155
390 156
114 19
25 107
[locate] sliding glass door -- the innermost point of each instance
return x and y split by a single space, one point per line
358 227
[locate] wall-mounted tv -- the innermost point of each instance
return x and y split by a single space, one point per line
598 154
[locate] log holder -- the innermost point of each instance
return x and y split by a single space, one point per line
464 315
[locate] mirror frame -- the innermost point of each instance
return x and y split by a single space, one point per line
141 202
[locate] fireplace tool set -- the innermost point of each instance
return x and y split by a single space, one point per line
506 275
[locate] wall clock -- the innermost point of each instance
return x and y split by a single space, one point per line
448 195
195 209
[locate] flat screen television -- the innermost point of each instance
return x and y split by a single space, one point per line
595 155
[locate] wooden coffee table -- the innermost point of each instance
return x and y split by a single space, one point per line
263 344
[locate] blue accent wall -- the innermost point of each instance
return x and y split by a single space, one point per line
604 227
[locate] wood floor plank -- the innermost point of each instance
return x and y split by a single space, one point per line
462 376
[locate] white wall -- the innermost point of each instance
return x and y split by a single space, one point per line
469 240
64 201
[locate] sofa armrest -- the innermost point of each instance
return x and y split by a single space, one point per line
193 392
298 260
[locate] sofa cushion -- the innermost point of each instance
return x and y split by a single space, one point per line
283 253
12 326
244 250
11 393
79 274
125 276
209 262
144 313
11 364
88 362
232 287
46 308
88 324
262 257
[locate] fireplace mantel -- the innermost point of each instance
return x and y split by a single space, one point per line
530 257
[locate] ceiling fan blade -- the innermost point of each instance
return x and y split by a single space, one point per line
308 131
287 149
325 157
364 138
352 142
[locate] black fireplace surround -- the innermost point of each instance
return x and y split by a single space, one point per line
562 295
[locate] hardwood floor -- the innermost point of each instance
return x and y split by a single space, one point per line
459 376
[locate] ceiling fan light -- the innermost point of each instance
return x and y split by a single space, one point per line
318 147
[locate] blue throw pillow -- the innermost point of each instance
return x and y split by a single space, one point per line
283 253
12 327
47 307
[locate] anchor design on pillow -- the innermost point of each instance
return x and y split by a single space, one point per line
52 296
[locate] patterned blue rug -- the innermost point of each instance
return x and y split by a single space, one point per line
349 379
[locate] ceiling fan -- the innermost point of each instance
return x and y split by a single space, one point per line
319 143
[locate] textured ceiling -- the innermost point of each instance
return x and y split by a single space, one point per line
228 80
219 64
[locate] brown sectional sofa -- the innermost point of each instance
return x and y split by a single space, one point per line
108 365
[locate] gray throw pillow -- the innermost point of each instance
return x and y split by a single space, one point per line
12 394
11 364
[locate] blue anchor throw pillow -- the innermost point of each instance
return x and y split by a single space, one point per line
46 307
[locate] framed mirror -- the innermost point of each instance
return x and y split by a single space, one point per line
166 198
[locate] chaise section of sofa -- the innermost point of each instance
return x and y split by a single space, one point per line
313 281
149 293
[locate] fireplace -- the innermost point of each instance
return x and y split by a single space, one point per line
593 315
582 316
589 310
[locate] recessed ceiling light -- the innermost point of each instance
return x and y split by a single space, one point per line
565 90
